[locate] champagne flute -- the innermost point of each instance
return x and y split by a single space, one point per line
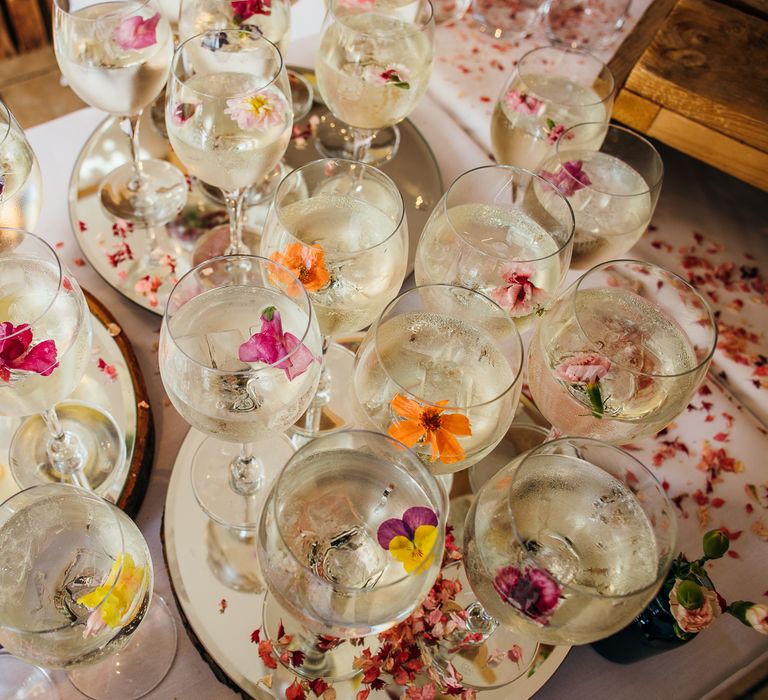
613 188
115 56
75 591
228 114
488 233
21 186
340 226
550 90
45 343
621 352
564 545
350 541
239 358
441 371
373 65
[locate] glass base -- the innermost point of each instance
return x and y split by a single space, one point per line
22 681
100 436
211 479
158 203
215 242
333 665
138 668
302 95
500 659
337 413
333 139
232 558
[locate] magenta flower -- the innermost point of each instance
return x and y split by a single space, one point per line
569 177
554 131
395 74
244 9
273 347
136 33
522 102
531 591
586 369
18 353
519 296
258 111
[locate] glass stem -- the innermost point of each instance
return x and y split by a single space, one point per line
314 414
479 622
234 201
138 181
361 143
66 454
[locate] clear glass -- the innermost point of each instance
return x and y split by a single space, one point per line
75 586
229 114
550 90
116 56
507 18
621 352
489 233
321 548
243 407
441 370
585 24
612 178
44 315
568 543
21 185
373 64
340 226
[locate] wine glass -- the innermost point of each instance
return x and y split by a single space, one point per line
228 114
585 24
350 541
21 186
507 18
115 56
621 352
441 371
372 65
564 545
239 358
612 179
340 227
550 90
490 234
45 344
75 591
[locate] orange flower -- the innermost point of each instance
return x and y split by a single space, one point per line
429 423
306 262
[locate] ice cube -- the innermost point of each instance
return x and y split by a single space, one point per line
351 557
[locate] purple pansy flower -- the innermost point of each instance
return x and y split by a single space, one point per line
18 353
569 177
271 345
413 518
135 32
532 591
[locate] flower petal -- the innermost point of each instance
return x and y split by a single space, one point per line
409 432
405 407
456 423
449 448
300 356
424 538
135 32
389 529
419 516
41 359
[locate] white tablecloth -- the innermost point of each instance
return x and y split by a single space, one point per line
725 212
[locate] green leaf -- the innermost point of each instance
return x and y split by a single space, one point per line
595 400
403 85
551 124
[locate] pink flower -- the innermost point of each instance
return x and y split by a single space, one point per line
258 111
531 591
554 131
583 368
273 347
522 102
519 296
394 74
244 9
136 33
569 177
18 353
757 617
693 621
183 112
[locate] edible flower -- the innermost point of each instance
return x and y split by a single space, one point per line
429 424
244 9
519 296
261 110
182 112
530 590
270 345
306 262
694 607
18 353
410 539
554 131
392 75
569 177
586 369
214 40
115 597
136 33
522 102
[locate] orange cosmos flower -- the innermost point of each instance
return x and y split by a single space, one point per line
306 262
431 424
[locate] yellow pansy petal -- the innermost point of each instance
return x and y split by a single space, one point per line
120 599
424 538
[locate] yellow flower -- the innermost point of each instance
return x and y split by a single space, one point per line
411 552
